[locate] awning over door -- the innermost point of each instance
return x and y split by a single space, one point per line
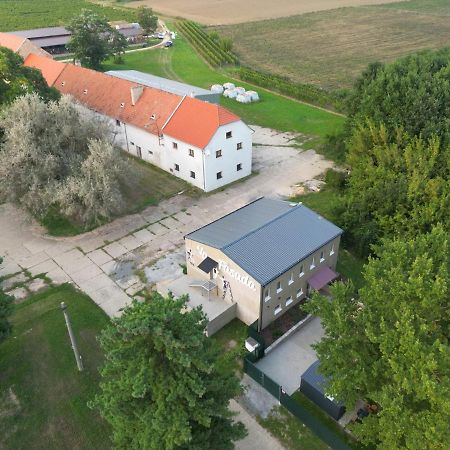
208 264
322 277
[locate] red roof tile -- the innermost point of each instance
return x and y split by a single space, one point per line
188 119
196 121
11 41
50 68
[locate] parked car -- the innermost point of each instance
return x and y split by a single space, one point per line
161 35
168 44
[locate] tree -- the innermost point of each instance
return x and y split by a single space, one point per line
147 20
389 343
411 93
398 186
90 40
53 153
16 79
6 303
92 193
162 387
118 44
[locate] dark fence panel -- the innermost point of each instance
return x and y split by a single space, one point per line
317 427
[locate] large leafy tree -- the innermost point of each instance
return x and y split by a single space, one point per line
54 154
147 20
398 186
162 386
6 302
90 42
17 80
389 343
412 93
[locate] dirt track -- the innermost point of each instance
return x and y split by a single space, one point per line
220 12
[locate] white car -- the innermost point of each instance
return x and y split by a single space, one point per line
161 35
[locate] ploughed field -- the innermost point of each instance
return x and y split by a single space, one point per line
331 48
237 11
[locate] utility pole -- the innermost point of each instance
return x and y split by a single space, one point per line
72 337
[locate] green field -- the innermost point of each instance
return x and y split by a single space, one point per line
42 395
182 63
25 14
439 7
331 48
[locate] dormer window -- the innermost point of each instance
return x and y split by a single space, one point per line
122 105
63 83
85 92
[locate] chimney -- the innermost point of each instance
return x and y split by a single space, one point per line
136 92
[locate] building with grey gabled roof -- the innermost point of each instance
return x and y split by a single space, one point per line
270 254
164 84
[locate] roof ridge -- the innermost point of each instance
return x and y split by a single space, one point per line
226 215
262 226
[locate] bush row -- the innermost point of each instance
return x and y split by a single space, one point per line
206 46
303 92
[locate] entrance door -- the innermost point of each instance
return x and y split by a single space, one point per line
138 151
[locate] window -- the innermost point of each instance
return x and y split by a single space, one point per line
131 143
277 310
192 174
291 278
150 152
174 145
279 288
219 175
289 301
313 263
267 295
218 153
301 273
138 151
239 167
322 259
228 135
239 146
299 293
191 152
332 249
122 105
85 92
177 167
117 123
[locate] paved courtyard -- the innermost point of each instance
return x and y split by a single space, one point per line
116 261
285 363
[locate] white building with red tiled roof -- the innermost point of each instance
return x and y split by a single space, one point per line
200 142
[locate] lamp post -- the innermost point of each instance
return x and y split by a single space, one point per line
72 337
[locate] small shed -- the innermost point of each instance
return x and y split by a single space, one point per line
313 385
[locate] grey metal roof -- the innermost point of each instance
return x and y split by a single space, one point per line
267 237
164 84
51 41
239 223
37 33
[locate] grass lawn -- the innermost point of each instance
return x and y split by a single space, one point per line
290 431
331 48
25 14
231 338
147 186
182 63
42 395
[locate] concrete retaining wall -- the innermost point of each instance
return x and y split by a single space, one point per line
221 320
